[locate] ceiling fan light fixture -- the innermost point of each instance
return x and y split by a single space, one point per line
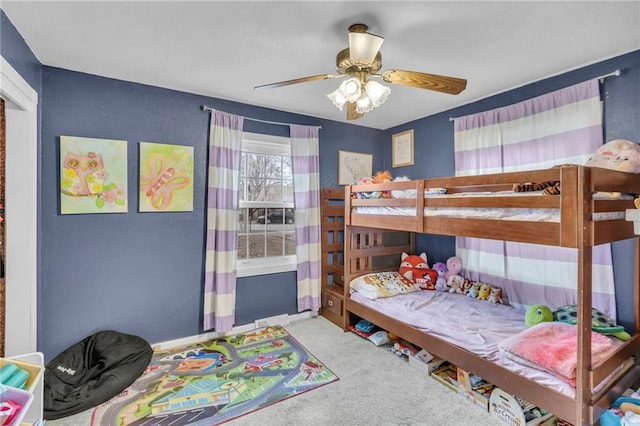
377 92
351 89
364 103
363 47
337 98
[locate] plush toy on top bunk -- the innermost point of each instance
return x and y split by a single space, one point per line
617 154
600 322
379 177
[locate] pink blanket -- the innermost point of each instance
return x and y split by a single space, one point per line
552 347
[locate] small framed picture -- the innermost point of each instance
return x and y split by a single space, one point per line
353 166
402 149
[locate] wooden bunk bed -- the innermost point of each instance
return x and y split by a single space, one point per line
596 388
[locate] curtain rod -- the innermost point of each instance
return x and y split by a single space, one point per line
615 73
208 108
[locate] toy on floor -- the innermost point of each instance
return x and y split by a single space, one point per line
630 418
631 414
403 349
365 326
600 322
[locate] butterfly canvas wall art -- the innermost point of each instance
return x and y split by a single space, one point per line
166 178
93 175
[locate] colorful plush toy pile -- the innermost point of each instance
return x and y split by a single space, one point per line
445 277
379 177
617 154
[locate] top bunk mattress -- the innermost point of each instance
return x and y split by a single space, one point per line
516 214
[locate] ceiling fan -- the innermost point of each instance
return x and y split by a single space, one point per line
359 64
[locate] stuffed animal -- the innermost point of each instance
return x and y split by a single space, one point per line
428 280
484 291
466 285
454 282
536 314
441 283
383 177
379 177
617 154
548 188
474 289
413 266
495 296
454 266
600 322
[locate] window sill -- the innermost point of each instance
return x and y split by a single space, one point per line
250 268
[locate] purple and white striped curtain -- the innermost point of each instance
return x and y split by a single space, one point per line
306 183
557 128
225 148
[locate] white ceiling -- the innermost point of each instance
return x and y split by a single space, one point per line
224 49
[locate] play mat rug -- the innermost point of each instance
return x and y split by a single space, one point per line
215 381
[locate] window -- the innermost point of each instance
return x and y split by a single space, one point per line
266 231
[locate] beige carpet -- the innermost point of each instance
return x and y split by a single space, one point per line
375 388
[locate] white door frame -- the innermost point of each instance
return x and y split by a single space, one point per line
21 210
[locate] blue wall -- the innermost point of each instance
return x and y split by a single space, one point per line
17 53
433 150
142 272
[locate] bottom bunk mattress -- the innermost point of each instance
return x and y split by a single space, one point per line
472 324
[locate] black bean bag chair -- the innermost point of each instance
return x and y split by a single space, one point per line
93 371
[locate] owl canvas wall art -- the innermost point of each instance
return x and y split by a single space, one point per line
166 178
93 175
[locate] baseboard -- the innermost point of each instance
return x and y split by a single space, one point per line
264 322
271 321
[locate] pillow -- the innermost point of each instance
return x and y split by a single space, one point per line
382 284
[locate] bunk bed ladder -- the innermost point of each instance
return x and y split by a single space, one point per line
332 247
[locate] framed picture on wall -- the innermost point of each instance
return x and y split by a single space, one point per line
353 166
93 175
166 178
402 149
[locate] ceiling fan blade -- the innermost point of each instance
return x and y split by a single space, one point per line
439 83
352 113
296 81
363 46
